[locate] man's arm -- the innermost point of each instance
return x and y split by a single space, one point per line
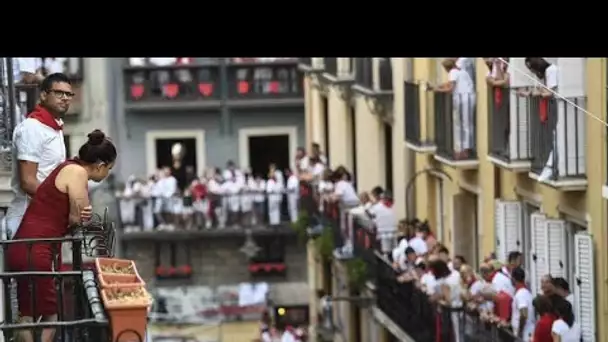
27 177
78 193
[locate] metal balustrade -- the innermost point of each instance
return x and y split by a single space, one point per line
364 73
331 65
385 74
215 211
508 124
455 125
557 131
279 79
80 313
413 129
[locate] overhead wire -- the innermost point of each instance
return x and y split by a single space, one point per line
555 93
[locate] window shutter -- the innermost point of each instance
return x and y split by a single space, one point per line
539 250
508 228
556 235
584 289
570 137
317 62
517 73
499 230
571 77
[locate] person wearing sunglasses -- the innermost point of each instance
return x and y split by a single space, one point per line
38 146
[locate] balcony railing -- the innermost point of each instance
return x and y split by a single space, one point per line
385 71
364 73
172 83
275 80
331 65
202 83
509 138
557 130
80 313
455 125
413 125
210 213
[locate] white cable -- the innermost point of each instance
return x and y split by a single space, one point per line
556 94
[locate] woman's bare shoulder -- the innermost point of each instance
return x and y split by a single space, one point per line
74 170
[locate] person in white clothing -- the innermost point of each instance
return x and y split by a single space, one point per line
215 214
38 146
231 199
247 195
462 88
385 222
293 193
522 307
548 74
449 293
274 191
259 199
418 243
565 329
163 207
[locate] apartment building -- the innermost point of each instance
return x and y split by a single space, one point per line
476 175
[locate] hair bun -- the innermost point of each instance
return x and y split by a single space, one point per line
96 137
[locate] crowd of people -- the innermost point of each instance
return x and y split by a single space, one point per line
219 198
499 291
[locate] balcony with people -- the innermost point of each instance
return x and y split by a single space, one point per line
454 109
187 82
429 295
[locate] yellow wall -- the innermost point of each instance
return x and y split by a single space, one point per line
477 183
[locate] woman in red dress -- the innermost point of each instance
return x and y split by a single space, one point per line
61 201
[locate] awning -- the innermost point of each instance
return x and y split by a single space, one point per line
289 294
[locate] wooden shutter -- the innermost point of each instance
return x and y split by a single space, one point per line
440 208
571 77
556 236
508 226
584 289
539 250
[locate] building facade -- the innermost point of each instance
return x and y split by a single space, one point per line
490 199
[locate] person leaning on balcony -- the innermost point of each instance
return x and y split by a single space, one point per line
61 201
449 294
38 145
548 74
462 88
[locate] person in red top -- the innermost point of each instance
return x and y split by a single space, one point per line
544 308
58 204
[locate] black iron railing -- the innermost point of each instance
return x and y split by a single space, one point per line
240 210
331 65
279 79
385 72
455 125
80 314
509 137
172 83
557 130
364 73
413 129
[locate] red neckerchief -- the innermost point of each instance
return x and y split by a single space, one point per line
494 273
471 282
543 109
45 117
520 286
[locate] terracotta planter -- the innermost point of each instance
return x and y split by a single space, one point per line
109 280
128 320
102 265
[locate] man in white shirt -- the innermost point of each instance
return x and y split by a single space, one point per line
548 74
38 146
522 308
386 223
418 243
461 86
